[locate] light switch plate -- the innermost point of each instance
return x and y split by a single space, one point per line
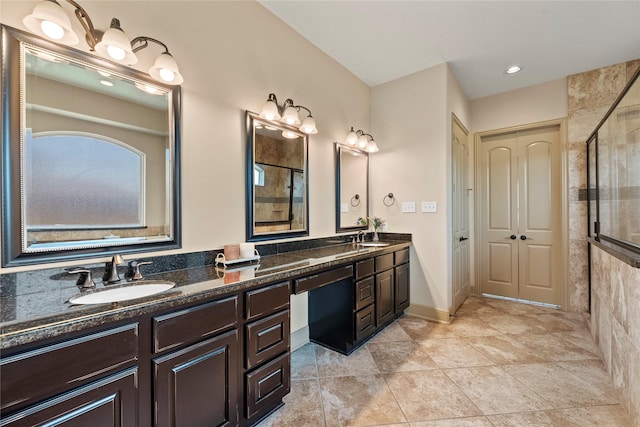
408 207
429 206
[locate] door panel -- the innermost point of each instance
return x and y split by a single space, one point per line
498 252
540 214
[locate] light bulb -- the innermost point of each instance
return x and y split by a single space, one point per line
52 30
352 137
309 126
167 75
115 52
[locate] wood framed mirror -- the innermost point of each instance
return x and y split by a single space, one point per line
277 180
90 155
352 188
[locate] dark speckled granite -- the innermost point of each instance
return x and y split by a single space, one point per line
34 304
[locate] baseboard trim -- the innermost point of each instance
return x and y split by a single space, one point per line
428 313
299 338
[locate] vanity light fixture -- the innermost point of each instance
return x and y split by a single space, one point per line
49 20
288 114
360 139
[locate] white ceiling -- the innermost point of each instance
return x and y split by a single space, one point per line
380 41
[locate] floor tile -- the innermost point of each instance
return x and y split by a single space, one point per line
429 395
454 353
400 356
554 322
455 422
303 362
494 391
509 324
471 327
581 338
302 407
550 347
503 349
516 308
562 388
419 329
391 333
359 401
591 416
332 364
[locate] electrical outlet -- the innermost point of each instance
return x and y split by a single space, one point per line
408 207
429 206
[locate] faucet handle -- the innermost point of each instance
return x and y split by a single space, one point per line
133 273
85 280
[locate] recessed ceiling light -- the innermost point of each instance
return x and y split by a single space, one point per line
106 83
513 69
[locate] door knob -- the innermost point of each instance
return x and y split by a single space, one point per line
513 237
523 237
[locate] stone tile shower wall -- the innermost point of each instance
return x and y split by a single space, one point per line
591 94
615 285
615 324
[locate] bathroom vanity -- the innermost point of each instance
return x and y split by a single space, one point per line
211 351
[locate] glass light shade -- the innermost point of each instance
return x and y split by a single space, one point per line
49 20
372 147
116 46
165 70
309 126
352 138
290 116
363 141
289 134
270 111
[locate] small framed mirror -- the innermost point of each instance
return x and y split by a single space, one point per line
90 155
277 180
352 188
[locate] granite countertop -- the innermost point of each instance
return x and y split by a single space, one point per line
40 309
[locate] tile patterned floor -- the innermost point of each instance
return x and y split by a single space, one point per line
499 364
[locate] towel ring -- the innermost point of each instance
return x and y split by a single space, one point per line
389 200
355 201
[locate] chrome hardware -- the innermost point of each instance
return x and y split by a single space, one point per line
133 272
361 240
111 269
84 280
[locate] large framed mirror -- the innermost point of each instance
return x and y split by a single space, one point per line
277 180
352 188
90 155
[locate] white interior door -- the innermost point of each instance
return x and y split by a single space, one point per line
461 261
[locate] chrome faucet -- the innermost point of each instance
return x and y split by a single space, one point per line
133 273
364 235
111 269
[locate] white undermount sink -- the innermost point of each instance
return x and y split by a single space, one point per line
126 292
372 244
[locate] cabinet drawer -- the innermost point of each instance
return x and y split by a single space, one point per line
317 280
384 262
364 268
267 385
193 323
365 322
111 401
364 292
267 300
43 372
267 338
401 256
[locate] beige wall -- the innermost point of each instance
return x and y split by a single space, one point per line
411 120
232 54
